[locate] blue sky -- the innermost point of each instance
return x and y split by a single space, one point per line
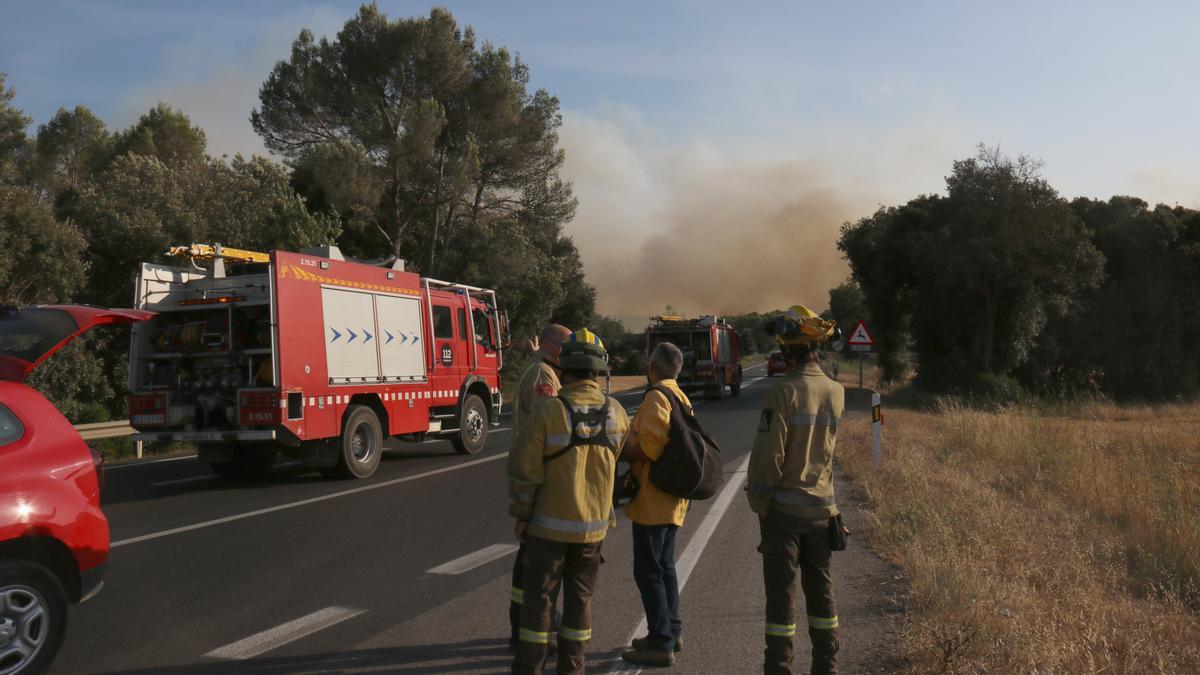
862 103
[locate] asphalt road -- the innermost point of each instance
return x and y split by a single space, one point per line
408 572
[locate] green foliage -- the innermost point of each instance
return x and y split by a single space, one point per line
754 340
973 277
42 259
431 147
71 147
165 134
13 143
847 306
140 206
251 202
1135 336
75 381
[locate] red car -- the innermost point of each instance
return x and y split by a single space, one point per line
775 364
53 536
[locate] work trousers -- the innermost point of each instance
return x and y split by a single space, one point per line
547 565
789 548
654 572
518 595
518 592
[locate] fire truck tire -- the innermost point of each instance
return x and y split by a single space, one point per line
362 443
736 388
472 427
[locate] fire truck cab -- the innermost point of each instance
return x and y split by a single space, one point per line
712 359
310 355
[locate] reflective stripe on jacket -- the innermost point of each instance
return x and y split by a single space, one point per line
791 464
568 498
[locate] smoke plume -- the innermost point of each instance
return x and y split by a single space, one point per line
700 231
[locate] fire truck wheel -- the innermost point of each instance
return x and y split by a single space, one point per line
472 427
736 387
362 443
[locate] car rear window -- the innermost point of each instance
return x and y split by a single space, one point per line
28 333
10 427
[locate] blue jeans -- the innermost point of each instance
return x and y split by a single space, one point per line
654 571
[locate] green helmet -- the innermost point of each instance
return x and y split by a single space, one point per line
583 350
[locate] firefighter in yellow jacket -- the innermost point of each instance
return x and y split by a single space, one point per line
561 474
790 487
539 380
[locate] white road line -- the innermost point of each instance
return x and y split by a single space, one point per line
472 560
126 465
304 502
282 635
695 548
178 481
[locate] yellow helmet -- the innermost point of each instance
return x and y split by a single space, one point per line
800 325
583 350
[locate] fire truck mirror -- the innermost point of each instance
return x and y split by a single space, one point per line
505 333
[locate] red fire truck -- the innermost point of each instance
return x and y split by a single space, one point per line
309 354
712 358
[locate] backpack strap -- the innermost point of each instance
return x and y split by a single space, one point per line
595 418
677 406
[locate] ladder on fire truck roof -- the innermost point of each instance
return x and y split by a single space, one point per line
216 251
664 320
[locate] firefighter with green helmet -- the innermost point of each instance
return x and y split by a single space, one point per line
790 487
561 473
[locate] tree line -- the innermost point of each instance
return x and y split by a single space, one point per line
401 137
1002 287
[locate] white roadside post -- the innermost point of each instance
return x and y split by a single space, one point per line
876 428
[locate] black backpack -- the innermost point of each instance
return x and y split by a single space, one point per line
690 464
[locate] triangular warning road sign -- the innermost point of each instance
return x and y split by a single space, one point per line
860 335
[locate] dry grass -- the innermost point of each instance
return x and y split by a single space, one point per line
622 383
1064 541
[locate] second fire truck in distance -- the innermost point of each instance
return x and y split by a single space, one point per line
310 355
712 359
